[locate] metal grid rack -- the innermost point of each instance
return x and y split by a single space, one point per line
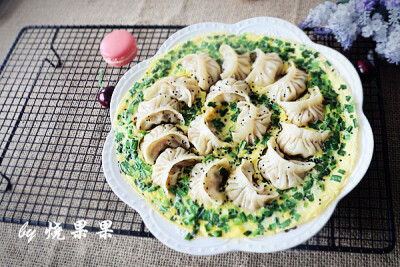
52 131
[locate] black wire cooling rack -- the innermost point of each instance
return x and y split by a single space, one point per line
52 131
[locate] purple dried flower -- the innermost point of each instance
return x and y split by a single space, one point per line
319 15
346 41
391 4
321 32
365 5
303 24
343 24
346 19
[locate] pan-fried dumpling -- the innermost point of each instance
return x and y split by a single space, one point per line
160 138
243 193
252 122
289 87
206 180
181 88
234 66
265 69
203 67
201 136
160 109
294 140
228 90
169 164
305 111
282 173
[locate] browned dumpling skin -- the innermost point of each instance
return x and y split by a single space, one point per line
289 87
252 122
205 182
282 173
156 111
162 137
295 141
169 165
242 192
181 88
204 68
265 69
304 111
235 66
228 90
202 137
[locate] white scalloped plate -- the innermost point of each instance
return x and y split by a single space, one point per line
172 235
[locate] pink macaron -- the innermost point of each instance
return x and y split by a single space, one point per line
118 48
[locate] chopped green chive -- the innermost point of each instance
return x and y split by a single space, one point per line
272 226
298 196
211 104
217 233
208 158
218 124
285 224
355 123
163 209
336 178
247 233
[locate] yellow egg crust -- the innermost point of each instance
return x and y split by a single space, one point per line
261 222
